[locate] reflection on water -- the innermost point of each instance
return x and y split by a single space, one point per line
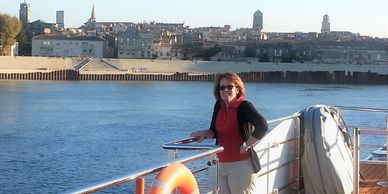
56 136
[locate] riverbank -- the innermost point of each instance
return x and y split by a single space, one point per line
35 64
43 68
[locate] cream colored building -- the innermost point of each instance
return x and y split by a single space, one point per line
63 46
162 50
134 45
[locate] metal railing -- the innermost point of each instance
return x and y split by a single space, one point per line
291 161
212 150
356 154
184 145
353 108
132 176
206 151
357 131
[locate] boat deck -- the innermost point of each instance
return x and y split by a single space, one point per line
373 173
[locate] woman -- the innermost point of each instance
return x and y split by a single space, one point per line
237 126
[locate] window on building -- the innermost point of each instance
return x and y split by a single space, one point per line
278 53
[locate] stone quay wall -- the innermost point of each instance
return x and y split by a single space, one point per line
275 76
94 69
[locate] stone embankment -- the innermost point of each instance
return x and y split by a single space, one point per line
43 68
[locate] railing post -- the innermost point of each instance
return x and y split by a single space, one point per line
356 163
386 145
385 182
140 183
172 154
217 161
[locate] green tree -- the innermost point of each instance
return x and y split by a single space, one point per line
250 51
206 53
263 57
24 43
9 27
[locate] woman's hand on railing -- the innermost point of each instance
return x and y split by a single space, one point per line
202 134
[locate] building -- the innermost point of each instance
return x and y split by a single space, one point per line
40 27
290 36
102 28
221 39
134 44
162 50
350 52
92 18
24 14
61 19
63 46
325 24
258 21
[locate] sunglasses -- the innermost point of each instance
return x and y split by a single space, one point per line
229 87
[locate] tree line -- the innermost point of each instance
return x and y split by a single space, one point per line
10 27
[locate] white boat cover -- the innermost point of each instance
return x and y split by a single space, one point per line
327 158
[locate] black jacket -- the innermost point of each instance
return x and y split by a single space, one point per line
249 122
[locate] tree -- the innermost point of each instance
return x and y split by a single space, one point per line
250 51
24 43
9 27
206 53
263 57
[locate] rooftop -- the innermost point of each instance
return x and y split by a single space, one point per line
85 38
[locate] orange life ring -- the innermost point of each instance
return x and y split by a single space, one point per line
174 176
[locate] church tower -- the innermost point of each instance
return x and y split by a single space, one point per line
92 18
24 14
258 21
325 24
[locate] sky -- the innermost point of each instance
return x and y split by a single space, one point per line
366 17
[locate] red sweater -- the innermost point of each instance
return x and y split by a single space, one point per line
228 134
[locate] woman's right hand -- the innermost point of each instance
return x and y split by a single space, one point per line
202 134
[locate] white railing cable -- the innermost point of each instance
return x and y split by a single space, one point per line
353 108
132 176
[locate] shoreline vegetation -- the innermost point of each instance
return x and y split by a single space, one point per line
51 68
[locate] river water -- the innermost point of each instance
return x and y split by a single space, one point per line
56 136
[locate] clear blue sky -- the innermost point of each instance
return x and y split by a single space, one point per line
367 17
